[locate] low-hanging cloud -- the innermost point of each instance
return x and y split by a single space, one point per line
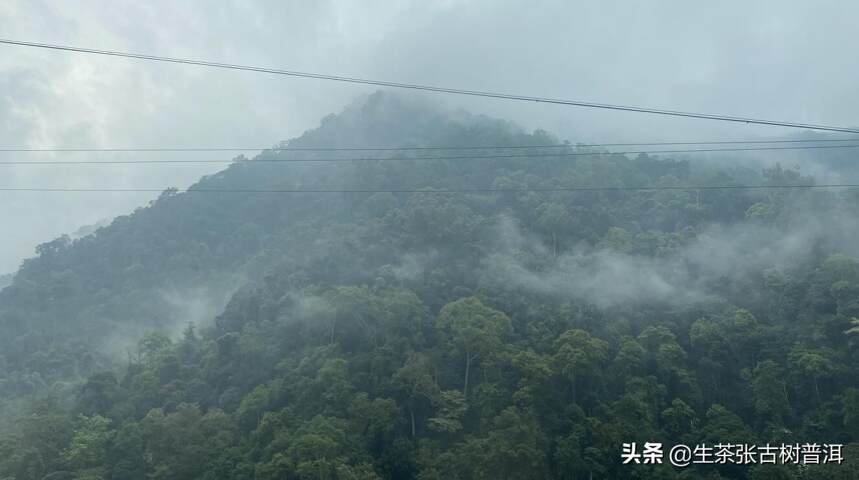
718 254
749 59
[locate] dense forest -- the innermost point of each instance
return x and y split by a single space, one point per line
518 333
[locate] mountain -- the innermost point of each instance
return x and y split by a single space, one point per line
87 230
394 322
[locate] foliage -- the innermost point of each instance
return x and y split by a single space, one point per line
372 336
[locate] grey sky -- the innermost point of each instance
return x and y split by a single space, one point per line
787 60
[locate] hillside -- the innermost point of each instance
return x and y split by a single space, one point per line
394 332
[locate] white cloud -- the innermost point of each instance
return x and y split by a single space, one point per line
770 59
718 254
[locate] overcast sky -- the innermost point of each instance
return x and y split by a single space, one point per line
788 60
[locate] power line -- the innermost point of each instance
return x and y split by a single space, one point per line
382 149
436 89
420 158
440 191
297 149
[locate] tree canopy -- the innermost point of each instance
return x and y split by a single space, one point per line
418 335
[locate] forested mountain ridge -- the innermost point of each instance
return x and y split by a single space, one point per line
414 334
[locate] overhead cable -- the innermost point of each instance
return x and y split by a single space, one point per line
437 89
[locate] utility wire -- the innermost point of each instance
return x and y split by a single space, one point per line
410 159
440 191
405 149
429 88
302 149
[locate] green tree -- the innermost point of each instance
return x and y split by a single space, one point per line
473 330
769 391
679 419
811 364
513 449
451 409
577 354
87 449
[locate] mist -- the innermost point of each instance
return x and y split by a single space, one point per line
766 60
485 296
695 271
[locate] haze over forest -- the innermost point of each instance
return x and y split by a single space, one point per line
770 59
490 297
